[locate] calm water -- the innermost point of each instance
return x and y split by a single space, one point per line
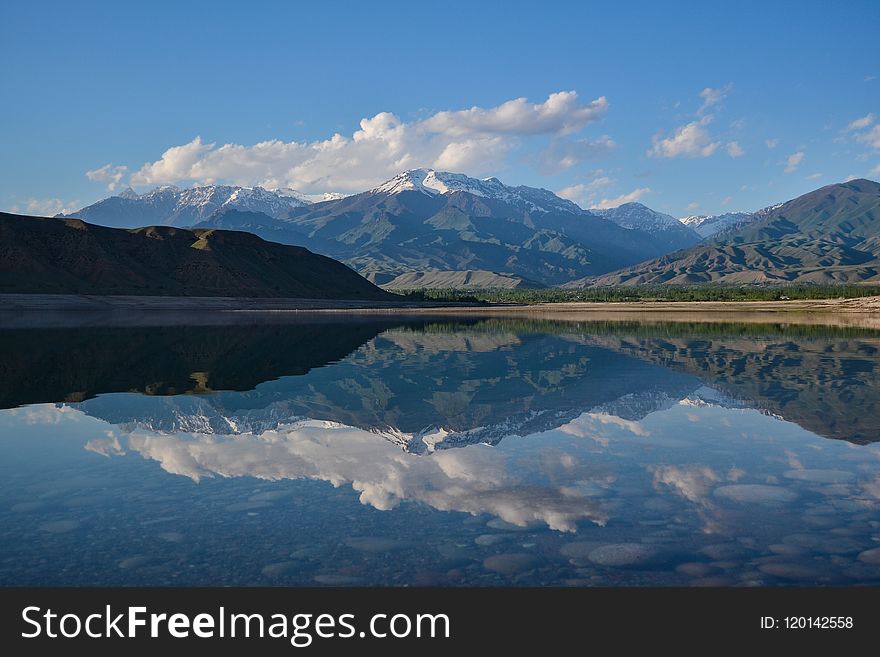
485 452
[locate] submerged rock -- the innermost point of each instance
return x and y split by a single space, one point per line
871 556
490 539
280 568
623 554
511 563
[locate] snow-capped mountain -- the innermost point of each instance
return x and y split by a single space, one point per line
432 183
639 217
667 229
708 225
170 205
309 198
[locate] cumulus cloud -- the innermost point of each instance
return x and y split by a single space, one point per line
690 140
861 123
693 139
561 113
693 205
870 137
112 175
813 176
629 197
563 154
477 140
726 200
735 150
693 482
771 143
584 193
712 97
473 479
793 161
46 207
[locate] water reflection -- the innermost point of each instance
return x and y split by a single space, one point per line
509 451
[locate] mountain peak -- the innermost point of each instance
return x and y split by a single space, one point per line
128 193
635 215
433 183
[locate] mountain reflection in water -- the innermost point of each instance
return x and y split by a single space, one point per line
699 453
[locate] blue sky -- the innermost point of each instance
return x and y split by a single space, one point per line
688 107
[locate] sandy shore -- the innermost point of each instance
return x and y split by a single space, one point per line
862 312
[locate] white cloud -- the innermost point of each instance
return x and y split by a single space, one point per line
691 140
875 171
559 114
46 207
563 154
580 192
726 200
693 205
712 97
771 143
861 123
112 175
474 479
476 141
735 150
593 425
634 195
693 482
473 154
870 137
573 192
793 161
813 176
178 162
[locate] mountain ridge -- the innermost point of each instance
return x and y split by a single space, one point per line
830 235
70 256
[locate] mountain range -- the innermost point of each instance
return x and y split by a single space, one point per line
828 236
426 228
419 221
70 256
518 377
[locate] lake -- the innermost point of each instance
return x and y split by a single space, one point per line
419 451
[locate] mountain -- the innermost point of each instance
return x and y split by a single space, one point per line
424 220
172 206
501 378
70 256
457 280
418 222
830 235
671 232
707 225
432 183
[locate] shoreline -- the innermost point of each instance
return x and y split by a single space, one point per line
49 309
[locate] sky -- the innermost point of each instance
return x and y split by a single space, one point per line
687 107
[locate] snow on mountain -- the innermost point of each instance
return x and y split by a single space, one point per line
708 225
174 206
432 183
309 198
210 198
639 217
